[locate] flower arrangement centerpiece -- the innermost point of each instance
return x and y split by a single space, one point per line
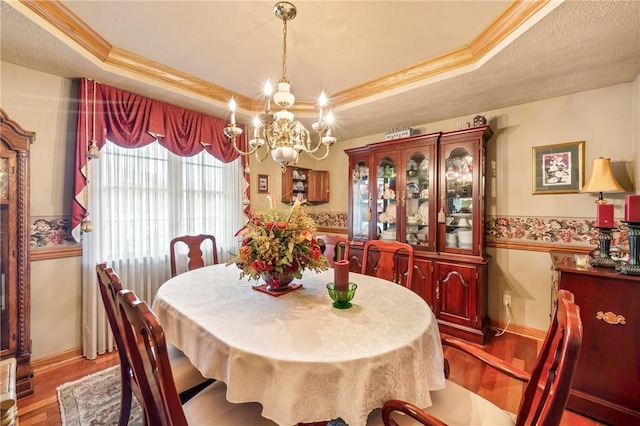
278 246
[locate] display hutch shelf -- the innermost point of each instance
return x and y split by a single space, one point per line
15 288
428 191
307 185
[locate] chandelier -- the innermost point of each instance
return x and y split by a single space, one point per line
277 133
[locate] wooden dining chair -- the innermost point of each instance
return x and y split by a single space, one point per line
381 259
335 247
195 252
146 351
545 395
187 378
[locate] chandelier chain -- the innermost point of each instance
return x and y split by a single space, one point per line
284 50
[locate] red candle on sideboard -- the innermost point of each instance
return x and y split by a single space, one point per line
341 275
632 208
605 216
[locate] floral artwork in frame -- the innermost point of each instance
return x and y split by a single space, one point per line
558 169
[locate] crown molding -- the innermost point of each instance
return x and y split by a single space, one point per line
69 24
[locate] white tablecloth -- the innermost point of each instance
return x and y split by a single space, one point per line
301 358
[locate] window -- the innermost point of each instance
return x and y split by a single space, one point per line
146 196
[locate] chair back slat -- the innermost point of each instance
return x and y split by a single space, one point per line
547 392
110 285
335 247
387 265
147 353
195 253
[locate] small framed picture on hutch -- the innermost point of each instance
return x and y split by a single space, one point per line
263 184
558 169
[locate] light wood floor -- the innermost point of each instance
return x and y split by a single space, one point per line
41 408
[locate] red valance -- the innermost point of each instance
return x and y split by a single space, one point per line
130 120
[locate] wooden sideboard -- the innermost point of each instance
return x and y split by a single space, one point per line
606 386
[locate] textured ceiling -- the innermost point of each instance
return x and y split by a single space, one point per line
340 47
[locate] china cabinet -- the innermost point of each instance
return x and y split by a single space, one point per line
428 191
307 185
15 293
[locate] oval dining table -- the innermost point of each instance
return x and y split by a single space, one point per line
302 359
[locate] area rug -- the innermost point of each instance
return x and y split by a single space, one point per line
95 400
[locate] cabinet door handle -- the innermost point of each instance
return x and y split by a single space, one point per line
611 318
438 290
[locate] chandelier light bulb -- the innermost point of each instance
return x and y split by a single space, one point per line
268 89
329 118
232 109
256 125
323 100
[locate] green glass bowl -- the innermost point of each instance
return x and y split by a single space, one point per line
342 298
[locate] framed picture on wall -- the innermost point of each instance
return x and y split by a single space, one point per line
263 184
558 169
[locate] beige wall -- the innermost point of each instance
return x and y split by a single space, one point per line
606 119
40 103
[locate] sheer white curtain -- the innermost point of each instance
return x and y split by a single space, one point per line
139 200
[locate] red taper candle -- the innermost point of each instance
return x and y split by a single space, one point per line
341 275
605 216
632 208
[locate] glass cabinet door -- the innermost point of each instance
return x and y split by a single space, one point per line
417 194
386 207
362 200
6 304
458 203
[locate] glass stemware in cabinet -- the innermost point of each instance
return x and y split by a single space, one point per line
386 199
361 201
458 202
417 199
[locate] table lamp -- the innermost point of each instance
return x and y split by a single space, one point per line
602 180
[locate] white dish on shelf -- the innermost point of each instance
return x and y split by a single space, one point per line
391 213
423 211
465 237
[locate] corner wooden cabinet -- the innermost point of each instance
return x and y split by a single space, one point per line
428 191
15 291
307 185
606 385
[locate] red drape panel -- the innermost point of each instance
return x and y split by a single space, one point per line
133 121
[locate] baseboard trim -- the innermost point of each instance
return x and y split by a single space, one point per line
55 360
520 330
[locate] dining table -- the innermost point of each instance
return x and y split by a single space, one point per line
301 358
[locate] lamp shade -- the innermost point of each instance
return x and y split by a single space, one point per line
601 178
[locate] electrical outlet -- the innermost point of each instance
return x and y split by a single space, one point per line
506 299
